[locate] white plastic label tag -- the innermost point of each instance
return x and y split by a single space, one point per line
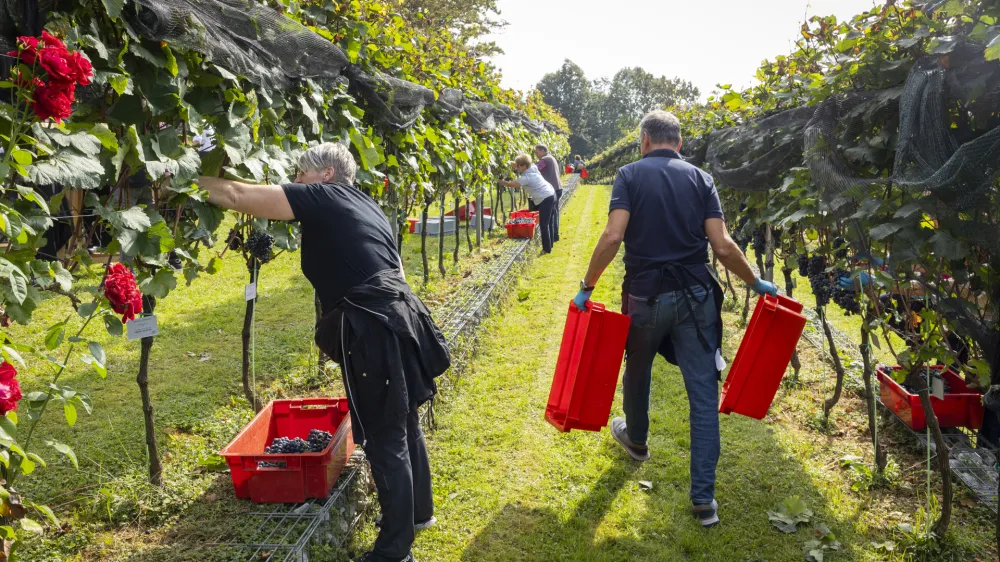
937 387
250 292
144 327
720 363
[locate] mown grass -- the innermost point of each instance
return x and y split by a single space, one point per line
510 487
109 513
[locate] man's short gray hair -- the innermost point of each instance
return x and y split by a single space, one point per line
662 127
542 147
330 155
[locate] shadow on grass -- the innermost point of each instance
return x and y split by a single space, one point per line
519 532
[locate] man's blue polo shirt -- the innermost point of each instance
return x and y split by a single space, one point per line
668 201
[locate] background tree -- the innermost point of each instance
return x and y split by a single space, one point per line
467 20
568 91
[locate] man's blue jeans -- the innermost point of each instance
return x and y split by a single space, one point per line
669 316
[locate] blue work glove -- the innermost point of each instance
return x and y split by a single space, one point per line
581 298
762 287
848 283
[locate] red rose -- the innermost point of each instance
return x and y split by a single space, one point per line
82 67
28 50
121 290
10 388
53 101
56 63
52 41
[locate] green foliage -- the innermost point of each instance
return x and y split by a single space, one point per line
789 514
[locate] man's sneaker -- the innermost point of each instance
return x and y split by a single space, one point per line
708 515
372 557
424 525
620 433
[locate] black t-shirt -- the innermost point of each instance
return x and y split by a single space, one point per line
668 201
345 238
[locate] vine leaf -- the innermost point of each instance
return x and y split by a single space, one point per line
68 168
30 525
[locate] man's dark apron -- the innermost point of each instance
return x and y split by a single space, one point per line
680 275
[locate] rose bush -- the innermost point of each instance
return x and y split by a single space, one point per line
64 70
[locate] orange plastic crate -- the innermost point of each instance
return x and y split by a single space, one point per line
767 347
304 476
590 359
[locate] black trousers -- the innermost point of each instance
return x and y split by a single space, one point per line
546 209
402 472
555 216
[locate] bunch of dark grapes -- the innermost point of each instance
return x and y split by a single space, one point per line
319 439
521 221
804 264
821 288
817 265
174 261
840 248
259 245
235 240
846 299
759 242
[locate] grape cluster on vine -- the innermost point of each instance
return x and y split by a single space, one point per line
759 242
259 245
817 265
803 265
846 299
840 248
821 288
235 240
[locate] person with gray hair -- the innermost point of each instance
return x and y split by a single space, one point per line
382 336
668 213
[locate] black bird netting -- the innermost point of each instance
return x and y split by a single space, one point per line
396 103
253 40
479 115
241 36
450 104
938 135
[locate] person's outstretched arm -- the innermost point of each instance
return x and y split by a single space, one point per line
264 201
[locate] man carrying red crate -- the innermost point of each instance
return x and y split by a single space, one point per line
667 212
373 326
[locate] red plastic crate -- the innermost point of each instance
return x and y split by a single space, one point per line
520 231
767 347
413 224
306 475
526 214
961 407
569 168
590 359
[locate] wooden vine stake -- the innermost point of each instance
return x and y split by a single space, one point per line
142 379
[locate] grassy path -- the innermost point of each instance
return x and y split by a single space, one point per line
509 487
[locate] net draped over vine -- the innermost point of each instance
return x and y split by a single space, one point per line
915 131
935 136
275 51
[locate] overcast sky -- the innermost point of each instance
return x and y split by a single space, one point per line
705 41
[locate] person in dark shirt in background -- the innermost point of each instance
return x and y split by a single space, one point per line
549 168
373 325
668 213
